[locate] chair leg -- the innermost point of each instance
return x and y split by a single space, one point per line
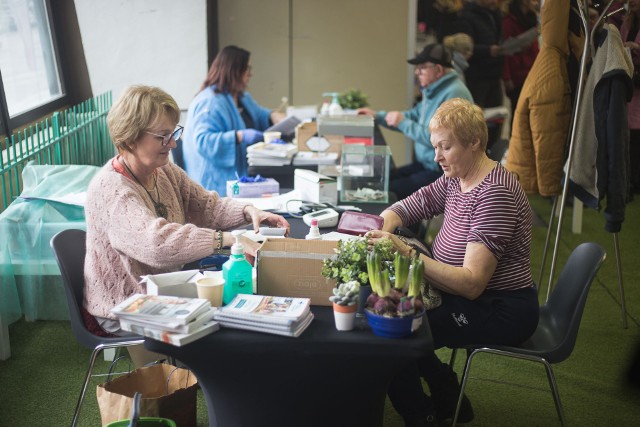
83 391
463 384
554 391
452 359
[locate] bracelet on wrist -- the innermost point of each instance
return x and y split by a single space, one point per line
218 241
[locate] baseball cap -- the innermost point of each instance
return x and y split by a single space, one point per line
434 53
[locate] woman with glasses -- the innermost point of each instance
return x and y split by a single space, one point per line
144 215
223 120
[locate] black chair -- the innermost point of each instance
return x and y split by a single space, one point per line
69 247
555 337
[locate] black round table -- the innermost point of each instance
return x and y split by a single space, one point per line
322 378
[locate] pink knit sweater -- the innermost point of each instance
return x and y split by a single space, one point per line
126 239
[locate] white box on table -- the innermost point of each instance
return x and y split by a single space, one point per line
267 187
179 284
315 187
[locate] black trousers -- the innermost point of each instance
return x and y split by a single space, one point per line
406 180
496 317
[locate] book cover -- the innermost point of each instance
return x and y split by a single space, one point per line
223 320
179 329
162 309
269 309
268 149
261 328
172 338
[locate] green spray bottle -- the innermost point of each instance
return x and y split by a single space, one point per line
237 272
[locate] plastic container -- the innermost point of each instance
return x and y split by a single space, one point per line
393 327
237 272
314 231
144 422
364 174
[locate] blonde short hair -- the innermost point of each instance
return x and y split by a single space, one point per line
464 119
459 42
137 109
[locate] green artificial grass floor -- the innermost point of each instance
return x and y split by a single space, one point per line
40 383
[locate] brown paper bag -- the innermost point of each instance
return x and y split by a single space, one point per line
167 392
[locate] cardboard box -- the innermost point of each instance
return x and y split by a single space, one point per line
308 130
267 187
292 268
315 187
179 284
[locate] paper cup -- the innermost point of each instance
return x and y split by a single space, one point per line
270 136
211 288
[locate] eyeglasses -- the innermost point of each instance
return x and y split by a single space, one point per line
166 139
422 68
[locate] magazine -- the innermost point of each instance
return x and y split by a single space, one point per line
176 339
179 329
161 309
257 327
264 325
266 309
271 150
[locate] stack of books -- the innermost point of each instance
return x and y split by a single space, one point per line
315 158
271 154
171 319
273 315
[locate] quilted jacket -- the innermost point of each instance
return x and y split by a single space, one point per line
543 113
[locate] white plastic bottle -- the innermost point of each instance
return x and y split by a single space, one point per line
324 111
335 109
314 231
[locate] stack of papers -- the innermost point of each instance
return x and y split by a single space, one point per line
314 158
271 154
273 315
171 319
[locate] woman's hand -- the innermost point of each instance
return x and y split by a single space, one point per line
256 217
375 235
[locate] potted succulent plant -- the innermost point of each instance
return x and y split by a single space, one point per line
350 263
345 299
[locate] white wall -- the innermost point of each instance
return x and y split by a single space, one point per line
155 42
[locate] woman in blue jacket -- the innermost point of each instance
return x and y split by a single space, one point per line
223 120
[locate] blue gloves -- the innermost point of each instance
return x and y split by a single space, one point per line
251 136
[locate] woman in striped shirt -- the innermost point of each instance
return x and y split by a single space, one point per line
481 260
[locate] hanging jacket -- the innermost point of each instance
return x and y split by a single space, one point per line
211 154
543 113
600 164
634 106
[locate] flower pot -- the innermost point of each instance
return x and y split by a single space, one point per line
344 316
365 291
393 327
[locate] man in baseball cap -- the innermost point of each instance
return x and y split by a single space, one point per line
438 82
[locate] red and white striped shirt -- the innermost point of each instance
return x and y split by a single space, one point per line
495 213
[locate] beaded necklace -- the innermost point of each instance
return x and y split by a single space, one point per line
161 208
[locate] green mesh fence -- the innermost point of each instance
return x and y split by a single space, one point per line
76 136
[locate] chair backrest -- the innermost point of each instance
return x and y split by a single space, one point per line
563 311
69 248
178 154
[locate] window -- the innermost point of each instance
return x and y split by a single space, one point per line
32 77
27 56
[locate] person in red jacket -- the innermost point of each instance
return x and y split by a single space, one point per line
522 16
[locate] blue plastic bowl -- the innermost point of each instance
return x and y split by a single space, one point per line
393 327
